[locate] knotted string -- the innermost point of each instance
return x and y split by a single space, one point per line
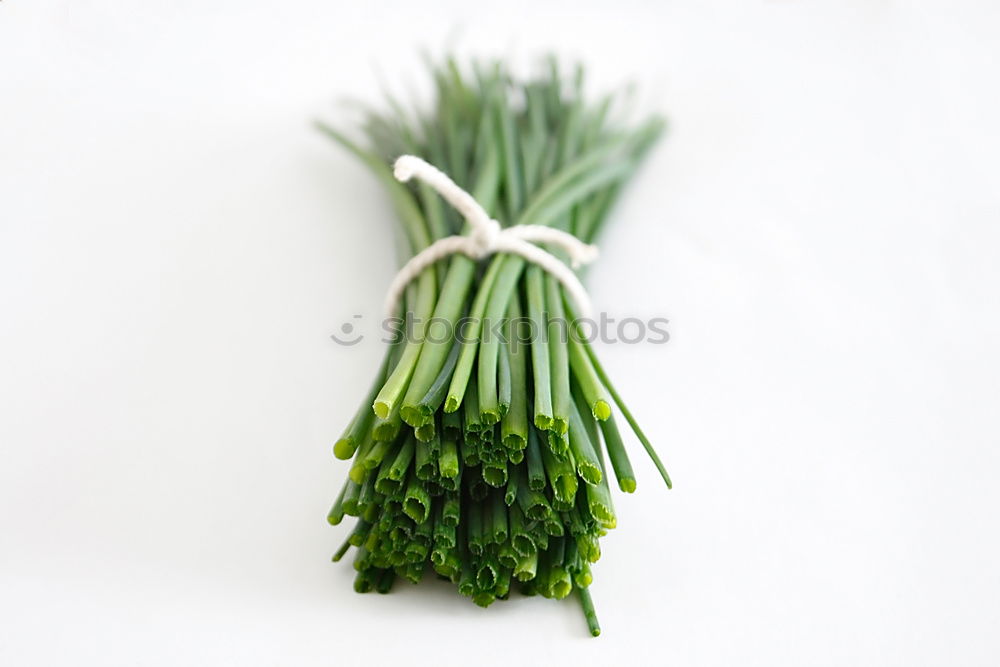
487 237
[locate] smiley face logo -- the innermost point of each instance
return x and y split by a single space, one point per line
347 335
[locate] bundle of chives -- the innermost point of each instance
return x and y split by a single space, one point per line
482 457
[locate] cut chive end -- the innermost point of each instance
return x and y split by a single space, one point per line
565 488
604 515
415 415
627 484
561 586
387 486
537 512
590 473
489 417
514 442
415 509
385 582
382 409
601 410
344 448
484 598
386 431
341 551
523 545
357 473
495 476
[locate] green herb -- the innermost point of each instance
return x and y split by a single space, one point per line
484 456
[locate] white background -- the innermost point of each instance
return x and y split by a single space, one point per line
176 245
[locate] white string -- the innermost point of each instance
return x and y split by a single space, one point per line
486 237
